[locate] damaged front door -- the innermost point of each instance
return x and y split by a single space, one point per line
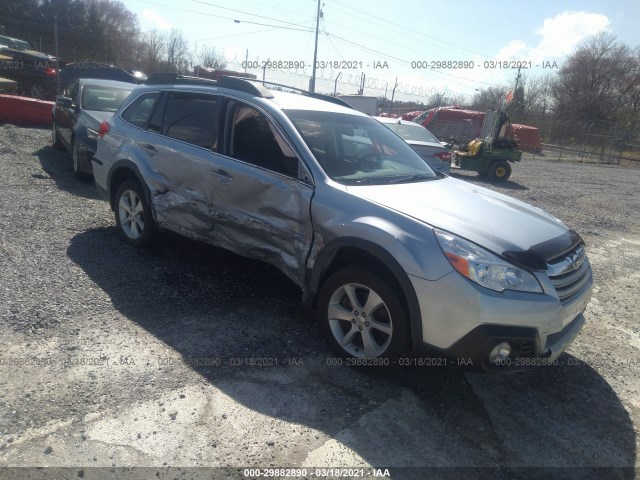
259 205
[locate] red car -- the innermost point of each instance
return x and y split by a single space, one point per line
411 115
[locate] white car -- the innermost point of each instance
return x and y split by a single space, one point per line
422 141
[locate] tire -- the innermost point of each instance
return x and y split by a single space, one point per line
134 220
55 138
354 334
499 171
75 159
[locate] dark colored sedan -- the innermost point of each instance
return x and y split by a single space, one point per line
73 71
77 116
34 72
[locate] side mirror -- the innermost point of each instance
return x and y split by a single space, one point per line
64 102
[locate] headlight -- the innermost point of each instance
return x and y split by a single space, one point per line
484 267
92 134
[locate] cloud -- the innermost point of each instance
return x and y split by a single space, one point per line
156 20
562 33
560 36
514 49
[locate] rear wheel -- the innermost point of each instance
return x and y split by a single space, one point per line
362 316
133 215
499 171
37 91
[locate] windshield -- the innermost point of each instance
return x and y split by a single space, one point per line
414 133
358 150
103 99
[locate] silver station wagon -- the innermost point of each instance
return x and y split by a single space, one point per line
393 256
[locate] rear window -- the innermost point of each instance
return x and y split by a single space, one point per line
412 132
103 99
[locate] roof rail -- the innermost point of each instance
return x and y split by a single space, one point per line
242 84
247 85
168 77
319 96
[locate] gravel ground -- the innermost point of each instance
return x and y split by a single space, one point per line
119 350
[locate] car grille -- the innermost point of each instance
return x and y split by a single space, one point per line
570 274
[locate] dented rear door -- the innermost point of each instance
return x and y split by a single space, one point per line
179 148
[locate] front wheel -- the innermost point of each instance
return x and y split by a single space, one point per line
133 215
77 169
362 316
55 138
499 171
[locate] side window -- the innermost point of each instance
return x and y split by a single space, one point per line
254 140
139 111
190 117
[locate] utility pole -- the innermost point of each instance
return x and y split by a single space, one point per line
312 82
55 39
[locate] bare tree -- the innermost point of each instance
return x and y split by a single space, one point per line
178 55
117 28
153 50
589 85
489 98
209 57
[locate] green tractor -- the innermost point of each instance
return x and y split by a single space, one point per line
492 156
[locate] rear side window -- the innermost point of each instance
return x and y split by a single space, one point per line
139 111
191 118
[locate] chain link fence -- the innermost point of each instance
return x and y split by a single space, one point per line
590 141
570 140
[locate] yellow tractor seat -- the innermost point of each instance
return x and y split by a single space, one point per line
473 149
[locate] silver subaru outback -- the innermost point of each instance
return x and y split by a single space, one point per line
393 256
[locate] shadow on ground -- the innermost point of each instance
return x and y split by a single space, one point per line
57 165
564 416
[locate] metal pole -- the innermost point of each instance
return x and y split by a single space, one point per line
246 59
335 84
613 141
55 39
562 143
586 141
393 92
312 84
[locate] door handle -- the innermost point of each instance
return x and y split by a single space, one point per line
222 175
150 149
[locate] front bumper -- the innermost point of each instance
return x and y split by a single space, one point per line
463 320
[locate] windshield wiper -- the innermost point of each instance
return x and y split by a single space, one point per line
413 178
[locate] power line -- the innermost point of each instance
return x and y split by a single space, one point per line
222 17
404 28
427 71
241 11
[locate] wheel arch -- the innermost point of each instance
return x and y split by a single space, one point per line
356 251
122 171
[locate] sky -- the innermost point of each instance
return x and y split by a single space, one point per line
415 43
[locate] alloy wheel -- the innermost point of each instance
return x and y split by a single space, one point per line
131 212
360 321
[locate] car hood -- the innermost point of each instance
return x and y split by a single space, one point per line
495 221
